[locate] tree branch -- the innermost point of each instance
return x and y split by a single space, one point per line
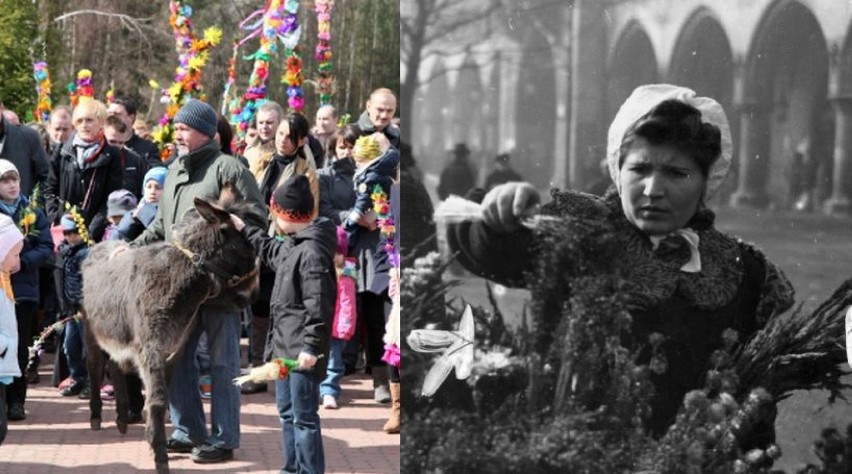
135 25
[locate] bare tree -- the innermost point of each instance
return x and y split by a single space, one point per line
433 28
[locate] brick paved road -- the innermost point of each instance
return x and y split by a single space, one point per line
55 437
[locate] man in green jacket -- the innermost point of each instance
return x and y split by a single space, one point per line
201 170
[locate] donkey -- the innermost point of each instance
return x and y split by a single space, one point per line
140 306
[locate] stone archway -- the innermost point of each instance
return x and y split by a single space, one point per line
535 112
432 127
782 109
840 202
466 115
466 105
702 60
632 63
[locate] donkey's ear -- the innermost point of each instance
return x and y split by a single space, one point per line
212 213
228 195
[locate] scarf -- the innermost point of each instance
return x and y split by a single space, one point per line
10 209
86 151
273 171
676 241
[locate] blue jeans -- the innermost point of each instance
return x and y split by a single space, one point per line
202 355
335 370
187 411
297 400
75 351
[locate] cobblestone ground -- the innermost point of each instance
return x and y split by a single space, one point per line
55 437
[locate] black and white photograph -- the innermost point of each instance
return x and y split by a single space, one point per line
625 236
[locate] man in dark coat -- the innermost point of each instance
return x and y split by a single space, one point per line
201 170
379 115
502 172
125 108
22 146
134 165
457 177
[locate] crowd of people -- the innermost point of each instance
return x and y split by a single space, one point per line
328 279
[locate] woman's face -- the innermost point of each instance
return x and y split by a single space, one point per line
343 149
88 126
660 187
283 145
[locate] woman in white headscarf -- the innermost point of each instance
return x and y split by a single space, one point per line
668 152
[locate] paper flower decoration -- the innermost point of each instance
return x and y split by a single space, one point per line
81 89
322 53
385 223
43 103
277 21
193 53
277 369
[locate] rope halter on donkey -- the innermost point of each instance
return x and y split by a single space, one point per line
231 281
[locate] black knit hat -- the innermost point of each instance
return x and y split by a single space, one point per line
198 115
293 200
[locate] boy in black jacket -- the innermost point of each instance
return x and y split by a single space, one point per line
302 311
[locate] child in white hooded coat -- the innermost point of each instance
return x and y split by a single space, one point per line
11 243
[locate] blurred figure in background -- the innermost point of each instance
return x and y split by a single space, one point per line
502 172
457 177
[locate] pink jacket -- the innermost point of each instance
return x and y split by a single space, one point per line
344 311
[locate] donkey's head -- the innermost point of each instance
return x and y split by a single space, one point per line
220 249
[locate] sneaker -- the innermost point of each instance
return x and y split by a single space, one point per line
175 446
381 394
328 401
251 387
107 392
206 454
65 383
72 390
16 412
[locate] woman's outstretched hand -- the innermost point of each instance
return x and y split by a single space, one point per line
506 206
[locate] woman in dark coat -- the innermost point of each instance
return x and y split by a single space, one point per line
668 153
84 170
337 193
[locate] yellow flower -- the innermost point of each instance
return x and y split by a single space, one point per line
153 84
213 35
197 62
175 90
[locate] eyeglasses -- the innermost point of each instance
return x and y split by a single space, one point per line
68 232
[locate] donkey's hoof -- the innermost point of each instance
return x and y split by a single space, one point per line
122 426
162 467
95 423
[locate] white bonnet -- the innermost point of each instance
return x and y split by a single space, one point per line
645 98
7 166
9 235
